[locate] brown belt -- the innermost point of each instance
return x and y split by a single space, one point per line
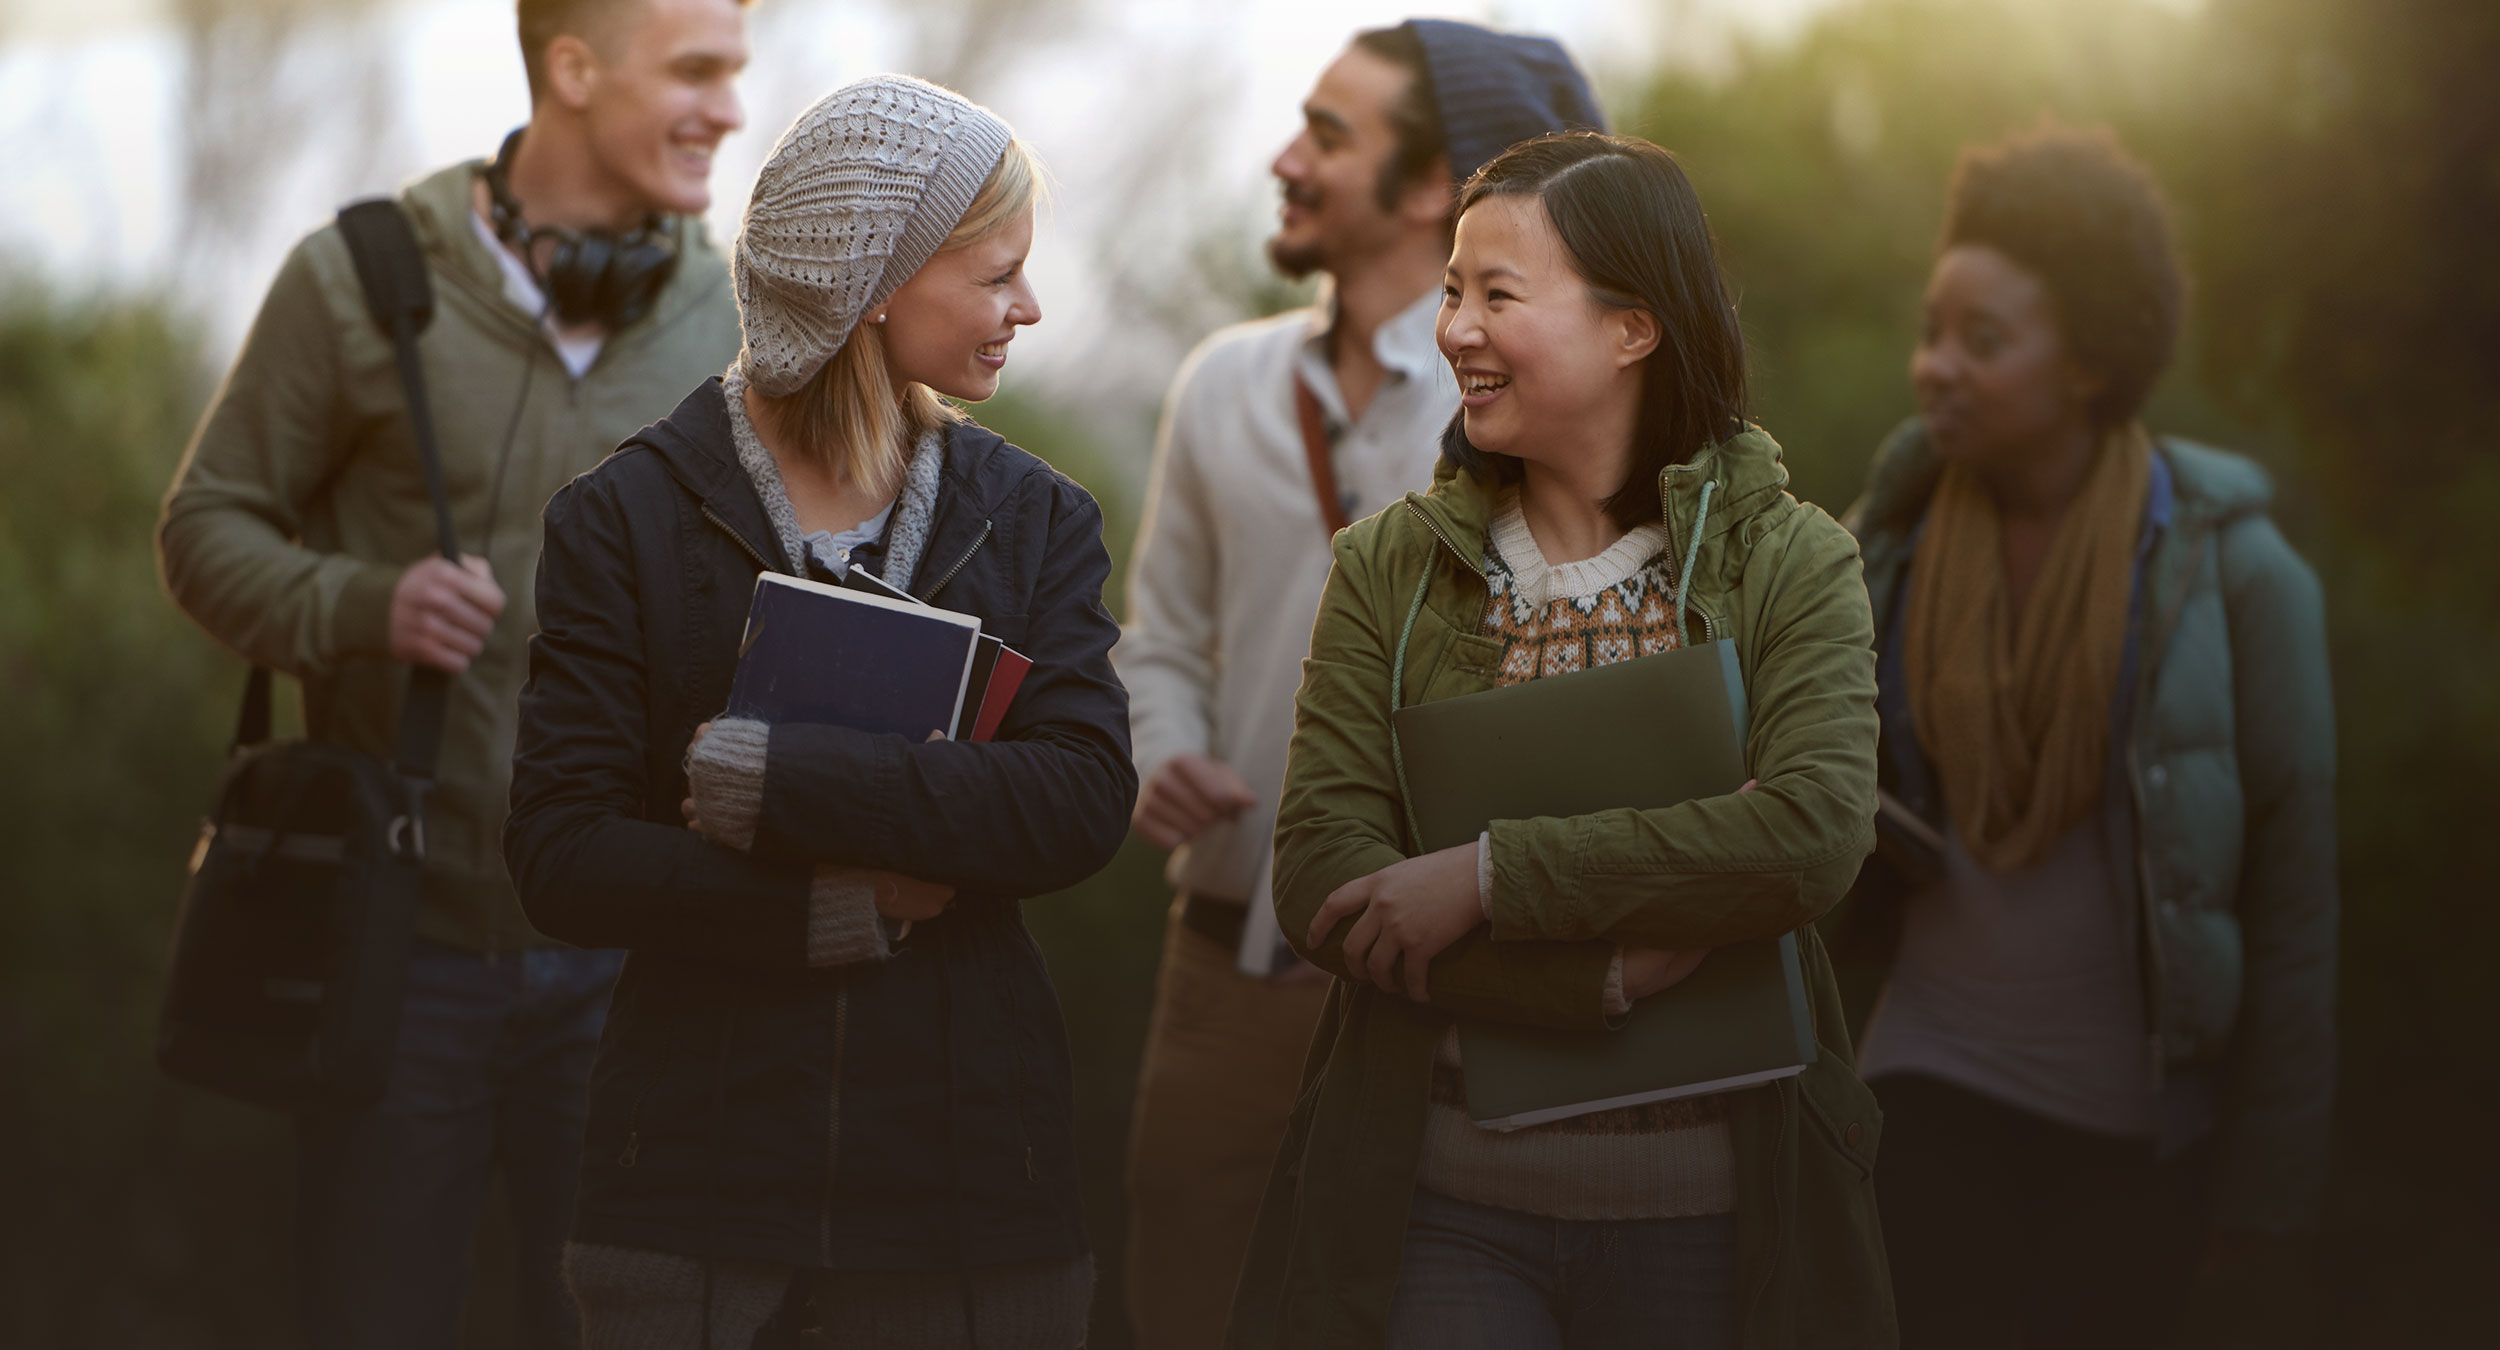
1218 919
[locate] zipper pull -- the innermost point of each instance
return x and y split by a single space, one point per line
633 1146
1031 1173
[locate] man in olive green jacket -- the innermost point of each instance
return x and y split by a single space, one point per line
1781 580
299 532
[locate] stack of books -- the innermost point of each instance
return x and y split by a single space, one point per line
870 657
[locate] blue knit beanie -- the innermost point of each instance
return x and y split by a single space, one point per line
1495 90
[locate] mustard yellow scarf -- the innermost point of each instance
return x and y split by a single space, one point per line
2014 714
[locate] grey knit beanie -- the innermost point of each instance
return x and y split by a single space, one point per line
860 192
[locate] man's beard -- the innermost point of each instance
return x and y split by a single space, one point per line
1297 261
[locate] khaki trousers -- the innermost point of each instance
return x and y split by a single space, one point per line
1223 1064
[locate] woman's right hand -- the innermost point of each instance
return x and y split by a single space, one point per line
1647 970
911 900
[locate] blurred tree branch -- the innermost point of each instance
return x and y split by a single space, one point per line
969 44
256 94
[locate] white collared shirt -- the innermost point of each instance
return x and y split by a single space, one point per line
521 289
1233 552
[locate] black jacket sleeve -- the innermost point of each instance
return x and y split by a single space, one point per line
592 868
1041 807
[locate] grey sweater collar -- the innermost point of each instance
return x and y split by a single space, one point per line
917 505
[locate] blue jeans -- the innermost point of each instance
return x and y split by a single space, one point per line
492 1074
1479 1278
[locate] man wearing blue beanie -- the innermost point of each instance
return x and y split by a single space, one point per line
1276 434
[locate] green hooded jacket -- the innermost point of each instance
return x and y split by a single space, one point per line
302 499
2229 795
1403 606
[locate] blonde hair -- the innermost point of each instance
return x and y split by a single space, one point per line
848 415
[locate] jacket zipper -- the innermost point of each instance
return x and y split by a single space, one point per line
833 1118
1770 1265
1015 1014
842 994
2155 994
632 1149
2152 928
1437 533
740 540
960 563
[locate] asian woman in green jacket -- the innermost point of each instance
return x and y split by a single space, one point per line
1602 499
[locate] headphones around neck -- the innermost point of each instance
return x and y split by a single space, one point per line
591 276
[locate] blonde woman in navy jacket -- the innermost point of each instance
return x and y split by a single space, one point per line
836 1073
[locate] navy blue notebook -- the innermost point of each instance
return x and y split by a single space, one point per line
846 658
984 658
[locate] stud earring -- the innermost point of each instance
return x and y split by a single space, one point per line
876 318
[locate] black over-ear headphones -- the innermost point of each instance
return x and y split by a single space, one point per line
590 276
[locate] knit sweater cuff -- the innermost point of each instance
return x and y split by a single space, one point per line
1616 1004
843 926
725 775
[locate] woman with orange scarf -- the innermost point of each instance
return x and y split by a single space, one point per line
2102 913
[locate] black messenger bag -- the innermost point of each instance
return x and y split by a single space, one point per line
291 950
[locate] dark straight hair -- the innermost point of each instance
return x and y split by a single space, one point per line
1634 231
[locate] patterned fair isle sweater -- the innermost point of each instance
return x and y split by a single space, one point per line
1664 1160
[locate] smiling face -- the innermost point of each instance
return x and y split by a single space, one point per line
1547 372
656 94
1992 371
949 326
1330 173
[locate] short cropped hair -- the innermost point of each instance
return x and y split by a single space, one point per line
543 21
1415 118
2074 209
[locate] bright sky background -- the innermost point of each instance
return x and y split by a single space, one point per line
90 111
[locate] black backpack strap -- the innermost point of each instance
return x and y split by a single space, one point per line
400 295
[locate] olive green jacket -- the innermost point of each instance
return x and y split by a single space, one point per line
302 499
1403 609
2228 800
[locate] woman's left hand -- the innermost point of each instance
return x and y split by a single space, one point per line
1410 912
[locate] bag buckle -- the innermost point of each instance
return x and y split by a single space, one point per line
407 836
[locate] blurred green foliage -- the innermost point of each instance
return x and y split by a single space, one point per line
2336 169
142 1213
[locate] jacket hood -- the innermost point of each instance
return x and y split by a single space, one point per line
1744 475
2208 485
439 208
2216 484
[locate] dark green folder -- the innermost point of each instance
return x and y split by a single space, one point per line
1644 733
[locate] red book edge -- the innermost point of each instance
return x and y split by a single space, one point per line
1005 678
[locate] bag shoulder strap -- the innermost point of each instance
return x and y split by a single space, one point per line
400 295
1315 452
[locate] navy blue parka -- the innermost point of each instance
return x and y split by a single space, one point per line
905 1114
